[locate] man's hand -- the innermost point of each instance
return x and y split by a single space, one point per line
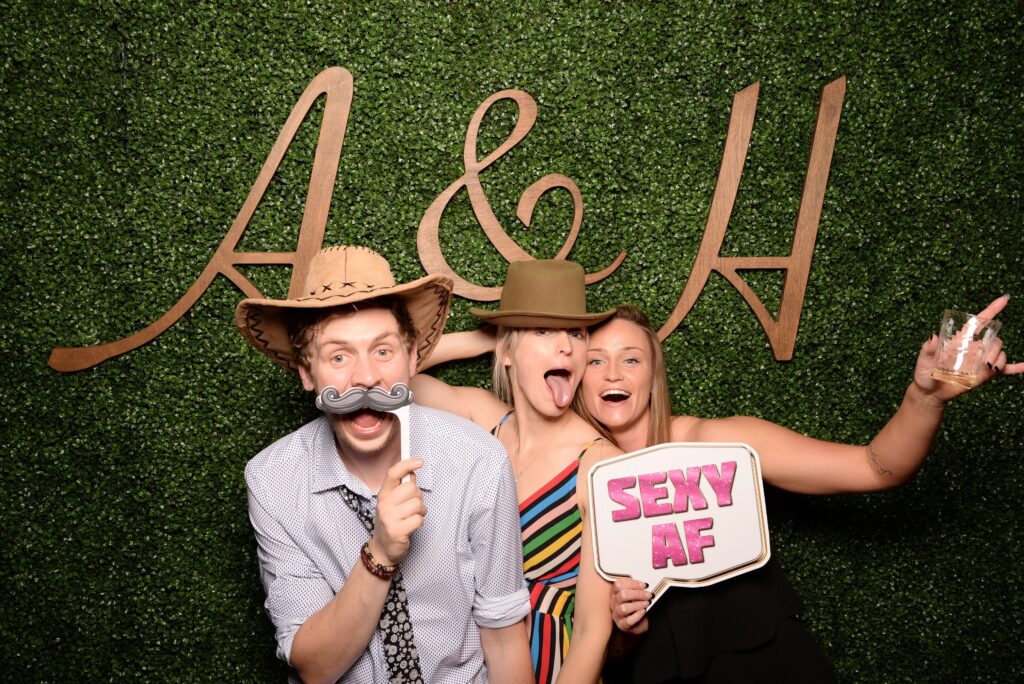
400 512
629 601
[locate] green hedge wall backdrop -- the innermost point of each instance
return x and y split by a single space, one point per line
132 132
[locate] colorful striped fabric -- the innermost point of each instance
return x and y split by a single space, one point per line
552 530
552 537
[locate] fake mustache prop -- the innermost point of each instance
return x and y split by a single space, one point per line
376 399
357 399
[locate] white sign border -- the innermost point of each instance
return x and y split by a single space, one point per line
666 583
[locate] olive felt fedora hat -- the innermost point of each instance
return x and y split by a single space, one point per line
546 293
339 276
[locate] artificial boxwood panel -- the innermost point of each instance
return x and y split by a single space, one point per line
132 132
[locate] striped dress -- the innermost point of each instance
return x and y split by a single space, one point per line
552 536
552 530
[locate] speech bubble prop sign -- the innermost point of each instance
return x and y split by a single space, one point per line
679 515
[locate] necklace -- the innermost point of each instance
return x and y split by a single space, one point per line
526 467
538 451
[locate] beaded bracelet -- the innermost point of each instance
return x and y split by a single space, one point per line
375 568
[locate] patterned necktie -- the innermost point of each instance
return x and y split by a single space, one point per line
394 626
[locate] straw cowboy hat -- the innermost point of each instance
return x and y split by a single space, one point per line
339 276
546 293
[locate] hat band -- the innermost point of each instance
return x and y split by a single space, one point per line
340 289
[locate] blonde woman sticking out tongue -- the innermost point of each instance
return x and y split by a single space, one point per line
539 362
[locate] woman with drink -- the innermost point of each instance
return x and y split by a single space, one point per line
743 629
746 629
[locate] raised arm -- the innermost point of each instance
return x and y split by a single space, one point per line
461 345
803 464
478 405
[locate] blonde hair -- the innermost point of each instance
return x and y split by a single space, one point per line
659 423
503 377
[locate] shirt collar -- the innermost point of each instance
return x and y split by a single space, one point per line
329 471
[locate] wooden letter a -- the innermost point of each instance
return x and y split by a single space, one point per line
336 84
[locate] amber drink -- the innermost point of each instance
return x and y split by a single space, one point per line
965 379
964 341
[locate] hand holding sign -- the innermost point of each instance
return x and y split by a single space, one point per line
680 514
630 600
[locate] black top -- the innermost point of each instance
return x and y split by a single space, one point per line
689 627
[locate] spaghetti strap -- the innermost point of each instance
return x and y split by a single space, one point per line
585 449
496 428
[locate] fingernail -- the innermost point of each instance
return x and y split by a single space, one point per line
989 365
998 369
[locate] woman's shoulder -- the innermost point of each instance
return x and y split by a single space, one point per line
581 432
686 428
594 446
595 449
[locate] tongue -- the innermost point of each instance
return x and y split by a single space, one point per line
365 419
559 386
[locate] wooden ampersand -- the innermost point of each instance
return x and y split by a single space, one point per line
427 240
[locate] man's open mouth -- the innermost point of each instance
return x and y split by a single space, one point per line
366 420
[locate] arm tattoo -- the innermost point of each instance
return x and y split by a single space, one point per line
873 457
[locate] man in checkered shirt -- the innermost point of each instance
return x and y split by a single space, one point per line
357 545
